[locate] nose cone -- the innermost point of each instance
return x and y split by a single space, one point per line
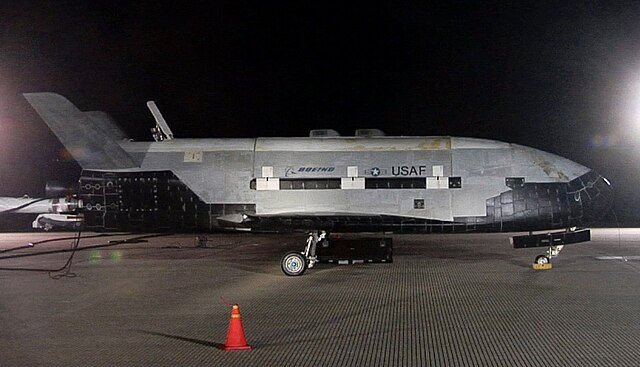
546 167
591 197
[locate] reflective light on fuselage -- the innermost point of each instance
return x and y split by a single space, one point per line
607 181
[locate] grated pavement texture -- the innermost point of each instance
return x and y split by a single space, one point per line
446 300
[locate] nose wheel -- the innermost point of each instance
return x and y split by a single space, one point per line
552 251
542 260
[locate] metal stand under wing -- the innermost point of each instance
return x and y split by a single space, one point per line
551 239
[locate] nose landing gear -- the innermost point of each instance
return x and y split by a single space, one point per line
552 251
554 242
544 261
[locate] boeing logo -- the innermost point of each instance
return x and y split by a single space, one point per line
292 171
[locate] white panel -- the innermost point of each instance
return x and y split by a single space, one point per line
267 184
438 171
267 171
470 200
193 156
352 171
437 182
352 183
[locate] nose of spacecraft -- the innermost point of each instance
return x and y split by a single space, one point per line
592 195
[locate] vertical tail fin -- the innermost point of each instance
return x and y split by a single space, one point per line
106 125
90 137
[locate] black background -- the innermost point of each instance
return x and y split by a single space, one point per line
561 77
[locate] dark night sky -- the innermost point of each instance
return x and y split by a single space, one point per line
564 78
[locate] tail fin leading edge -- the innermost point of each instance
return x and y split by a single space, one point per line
88 136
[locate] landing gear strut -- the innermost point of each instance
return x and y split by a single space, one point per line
552 251
295 263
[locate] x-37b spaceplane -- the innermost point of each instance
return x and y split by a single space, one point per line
319 184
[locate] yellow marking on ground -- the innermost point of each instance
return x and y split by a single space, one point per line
546 266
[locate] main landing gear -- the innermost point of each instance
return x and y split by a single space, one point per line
294 263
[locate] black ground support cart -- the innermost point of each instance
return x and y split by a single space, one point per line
355 251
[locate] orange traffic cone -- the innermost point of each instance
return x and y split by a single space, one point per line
235 335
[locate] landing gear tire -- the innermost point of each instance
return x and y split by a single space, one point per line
293 263
542 260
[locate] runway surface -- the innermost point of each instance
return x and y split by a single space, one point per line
446 300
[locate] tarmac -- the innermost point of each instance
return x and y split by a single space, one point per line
446 300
